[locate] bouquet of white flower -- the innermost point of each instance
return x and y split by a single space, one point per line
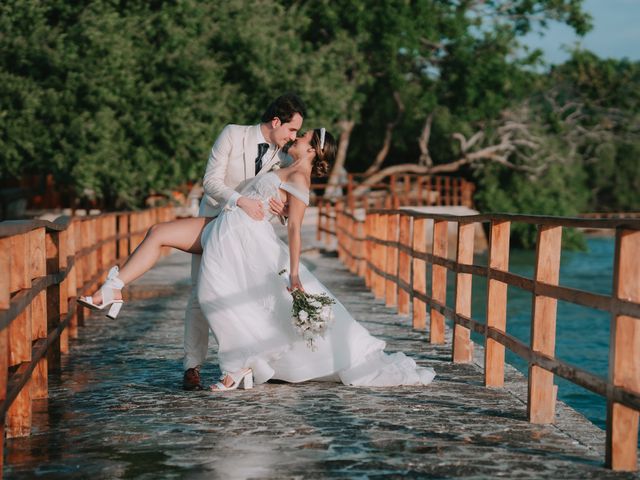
311 314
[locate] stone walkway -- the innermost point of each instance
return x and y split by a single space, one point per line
116 410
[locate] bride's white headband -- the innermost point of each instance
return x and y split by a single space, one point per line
322 133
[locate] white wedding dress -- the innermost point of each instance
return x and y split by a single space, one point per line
249 309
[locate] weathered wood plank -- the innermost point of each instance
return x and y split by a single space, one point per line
462 345
5 268
497 303
20 273
438 281
391 264
379 256
542 393
419 281
404 264
19 414
624 352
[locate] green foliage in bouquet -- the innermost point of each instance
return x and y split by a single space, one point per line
311 314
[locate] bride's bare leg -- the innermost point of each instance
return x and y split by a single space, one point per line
183 234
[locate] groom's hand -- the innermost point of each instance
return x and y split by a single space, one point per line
251 207
277 207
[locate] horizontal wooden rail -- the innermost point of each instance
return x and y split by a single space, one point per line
45 266
387 238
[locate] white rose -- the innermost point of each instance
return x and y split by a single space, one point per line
303 315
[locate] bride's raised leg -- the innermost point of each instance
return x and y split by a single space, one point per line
183 234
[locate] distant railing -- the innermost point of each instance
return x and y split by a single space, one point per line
400 190
44 266
388 248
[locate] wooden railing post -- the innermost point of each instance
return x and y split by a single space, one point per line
624 355
110 231
327 221
334 219
404 264
380 256
92 237
5 299
55 295
541 405
438 280
407 190
391 264
462 345
19 413
123 230
420 190
351 240
337 228
368 248
428 191
134 226
99 226
38 268
72 285
419 283
87 271
80 267
362 263
448 191
63 253
496 303
346 229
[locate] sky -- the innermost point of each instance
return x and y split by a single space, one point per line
615 33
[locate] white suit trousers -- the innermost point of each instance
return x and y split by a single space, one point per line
196 327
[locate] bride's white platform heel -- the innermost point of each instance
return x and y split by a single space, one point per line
112 283
241 379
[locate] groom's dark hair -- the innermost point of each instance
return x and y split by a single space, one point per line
284 107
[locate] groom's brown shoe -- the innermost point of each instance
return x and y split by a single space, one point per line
191 379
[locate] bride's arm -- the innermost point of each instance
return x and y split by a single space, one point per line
294 230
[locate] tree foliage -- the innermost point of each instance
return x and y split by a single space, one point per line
119 99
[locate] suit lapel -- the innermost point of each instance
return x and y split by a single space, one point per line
250 149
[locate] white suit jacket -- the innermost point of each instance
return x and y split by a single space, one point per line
231 164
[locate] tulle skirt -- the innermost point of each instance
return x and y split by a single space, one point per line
245 301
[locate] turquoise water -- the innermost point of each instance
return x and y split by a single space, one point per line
582 333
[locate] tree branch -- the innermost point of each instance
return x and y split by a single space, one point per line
386 144
423 142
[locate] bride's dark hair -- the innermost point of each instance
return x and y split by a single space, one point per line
325 156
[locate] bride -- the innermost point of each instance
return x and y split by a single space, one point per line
243 298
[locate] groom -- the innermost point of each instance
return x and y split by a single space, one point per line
239 153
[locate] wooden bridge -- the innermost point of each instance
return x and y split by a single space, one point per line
479 418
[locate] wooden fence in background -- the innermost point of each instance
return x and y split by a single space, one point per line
44 266
387 248
408 189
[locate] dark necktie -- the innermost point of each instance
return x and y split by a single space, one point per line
262 149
